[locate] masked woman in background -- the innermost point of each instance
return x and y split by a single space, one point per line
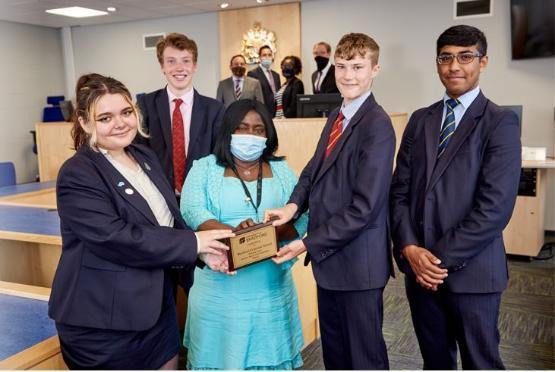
286 96
250 320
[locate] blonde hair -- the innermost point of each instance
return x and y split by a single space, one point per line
89 89
357 44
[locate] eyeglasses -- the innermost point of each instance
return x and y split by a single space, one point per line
463 58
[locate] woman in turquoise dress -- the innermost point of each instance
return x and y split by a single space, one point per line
249 320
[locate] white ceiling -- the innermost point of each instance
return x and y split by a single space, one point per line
33 11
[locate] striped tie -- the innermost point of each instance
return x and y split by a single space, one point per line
448 127
336 130
238 89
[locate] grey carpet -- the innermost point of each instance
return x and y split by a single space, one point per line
526 321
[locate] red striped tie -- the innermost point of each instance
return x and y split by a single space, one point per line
336 130
178 146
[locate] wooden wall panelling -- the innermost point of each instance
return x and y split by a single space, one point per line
284 20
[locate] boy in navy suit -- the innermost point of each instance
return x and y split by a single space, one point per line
453 193
346 186
182 124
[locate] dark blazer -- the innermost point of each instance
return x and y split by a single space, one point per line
267 92
206 120
328 85
289 99
458 206
347 194
111 272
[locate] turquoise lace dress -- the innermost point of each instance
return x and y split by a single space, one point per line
251 320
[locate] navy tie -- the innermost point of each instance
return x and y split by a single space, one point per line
448 127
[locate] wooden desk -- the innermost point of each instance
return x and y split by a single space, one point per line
36 348
30 242
298 137
525 233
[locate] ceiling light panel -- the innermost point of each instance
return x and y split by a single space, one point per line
77 12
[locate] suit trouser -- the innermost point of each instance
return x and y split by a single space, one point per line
351 329
444 319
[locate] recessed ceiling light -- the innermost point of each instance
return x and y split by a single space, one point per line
224 5
260 1
76 12
111 9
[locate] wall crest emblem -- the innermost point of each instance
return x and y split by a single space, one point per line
253 40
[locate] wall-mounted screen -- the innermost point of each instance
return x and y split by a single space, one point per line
533 28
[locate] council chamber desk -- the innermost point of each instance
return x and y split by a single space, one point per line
30 247
525 233
28 337
30 242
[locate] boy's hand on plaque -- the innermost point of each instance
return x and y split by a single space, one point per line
208 241
282 215
290 251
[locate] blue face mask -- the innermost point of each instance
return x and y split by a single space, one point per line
247 147
266 62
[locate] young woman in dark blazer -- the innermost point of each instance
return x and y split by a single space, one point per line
121 227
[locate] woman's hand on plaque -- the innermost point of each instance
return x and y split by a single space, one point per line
217 263
245 224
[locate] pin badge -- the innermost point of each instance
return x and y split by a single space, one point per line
147 167
129 191
120 184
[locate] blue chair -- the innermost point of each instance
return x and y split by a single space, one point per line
7 174
54 112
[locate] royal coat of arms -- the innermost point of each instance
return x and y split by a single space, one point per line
253 40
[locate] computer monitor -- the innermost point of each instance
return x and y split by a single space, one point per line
67 109
317 105
517 109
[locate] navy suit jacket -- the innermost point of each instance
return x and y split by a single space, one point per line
111 272
269 99
458 206
206 120
347 194
289 98
328 85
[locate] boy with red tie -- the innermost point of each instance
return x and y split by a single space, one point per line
345 187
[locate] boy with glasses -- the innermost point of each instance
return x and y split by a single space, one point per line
453 193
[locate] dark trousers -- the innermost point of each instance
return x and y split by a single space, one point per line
442 320
351 329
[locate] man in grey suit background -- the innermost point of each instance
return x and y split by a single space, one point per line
238 86
268 78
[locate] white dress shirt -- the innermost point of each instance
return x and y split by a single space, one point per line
146 188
